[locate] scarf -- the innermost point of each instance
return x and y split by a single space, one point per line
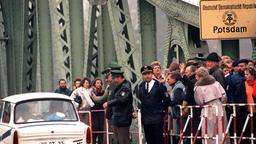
99 92
254 89
208 80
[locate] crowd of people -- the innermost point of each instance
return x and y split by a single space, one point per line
201 82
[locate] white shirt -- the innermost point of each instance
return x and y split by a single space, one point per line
150 85
85 95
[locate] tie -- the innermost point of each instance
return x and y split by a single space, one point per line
147 87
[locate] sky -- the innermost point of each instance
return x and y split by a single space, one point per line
194 2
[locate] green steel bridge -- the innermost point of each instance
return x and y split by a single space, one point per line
42 41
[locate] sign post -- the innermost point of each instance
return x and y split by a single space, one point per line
227 19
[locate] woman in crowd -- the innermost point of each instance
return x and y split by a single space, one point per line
251 63
209 92
158 75
98 116
82 96
247 92
77 83
227 61
226 70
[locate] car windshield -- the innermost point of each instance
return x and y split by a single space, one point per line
44 111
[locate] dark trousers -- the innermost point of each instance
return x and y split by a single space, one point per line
98 121
154 133
179 130
241 114
240 120
196 122
248 130
229 112
121 135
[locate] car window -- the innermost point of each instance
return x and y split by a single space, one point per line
1 109
6 112
45 111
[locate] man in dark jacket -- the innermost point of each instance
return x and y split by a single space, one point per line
236 81
109 92
236 87
177 96
154 100
110 87
212 63
121 107
189 80
230 88
63 88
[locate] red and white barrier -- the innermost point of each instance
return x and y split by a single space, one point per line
107 132
221 126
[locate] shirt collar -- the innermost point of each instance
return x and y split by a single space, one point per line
151 82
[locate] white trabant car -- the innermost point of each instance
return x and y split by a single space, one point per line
41 118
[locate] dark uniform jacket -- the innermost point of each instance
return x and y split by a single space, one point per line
153 103
121 105
111 96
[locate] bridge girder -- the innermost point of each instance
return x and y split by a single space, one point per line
3 64
179 10
46 40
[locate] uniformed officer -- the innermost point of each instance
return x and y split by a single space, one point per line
154 100
110 86
109 92
121 107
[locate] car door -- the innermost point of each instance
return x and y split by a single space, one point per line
5 129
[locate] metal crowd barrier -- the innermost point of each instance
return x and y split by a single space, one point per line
204 119
107 132
225 125
221 124
234 116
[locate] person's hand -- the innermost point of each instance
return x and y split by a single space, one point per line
107 87
182 69
134 115
105 105
162 80
93 96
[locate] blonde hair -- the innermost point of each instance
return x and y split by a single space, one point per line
155 63
202 72
225 57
